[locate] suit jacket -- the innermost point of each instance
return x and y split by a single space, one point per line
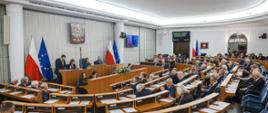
45 96
257 85
59 65
144 92
186 98
210 89
221 79
177 80
172 90
98 61
71 66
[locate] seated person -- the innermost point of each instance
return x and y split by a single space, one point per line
7 107
82 80
14 82
44 88
24 82
142 91
170 87
129 67
179 77
135 81
35 84
221 75
72 65
211 87
184 94
93 75
153 77
98 61
86 64
258 82
144 77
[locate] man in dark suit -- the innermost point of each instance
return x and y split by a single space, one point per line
178 78
170 87
211 87
142 91
98 61
221 75
258 81
60 64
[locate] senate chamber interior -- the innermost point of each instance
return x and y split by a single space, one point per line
133 56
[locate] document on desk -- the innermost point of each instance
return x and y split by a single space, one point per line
74 102
28 96
208 110
219 105
65 92
116 111
85 102
17 111
108 100
4 90
165 100
51 101
15 93
123 98
131 96
130 110
53 89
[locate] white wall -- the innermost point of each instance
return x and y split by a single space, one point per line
217 38
55 30
146 48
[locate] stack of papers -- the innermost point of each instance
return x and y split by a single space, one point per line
84 102
53 89
74 102
15 93
65 92
131 96
51 101
219 105
123 98
28 96
166 100
130 110
116 111
108 100
208 110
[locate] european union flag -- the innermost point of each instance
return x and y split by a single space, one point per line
45 62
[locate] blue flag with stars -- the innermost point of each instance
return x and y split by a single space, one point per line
45 62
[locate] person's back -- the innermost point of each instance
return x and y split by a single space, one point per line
144 92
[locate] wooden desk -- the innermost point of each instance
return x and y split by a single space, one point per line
102 84
21 93
181 66
70 108
188 106
58 88
228 87
70 77
152 102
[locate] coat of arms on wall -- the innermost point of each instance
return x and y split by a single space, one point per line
77 33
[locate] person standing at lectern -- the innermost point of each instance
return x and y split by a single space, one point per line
60 64
98 61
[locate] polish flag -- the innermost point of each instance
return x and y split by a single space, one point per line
110 54
32 67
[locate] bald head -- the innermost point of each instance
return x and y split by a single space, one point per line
169 82
256 74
